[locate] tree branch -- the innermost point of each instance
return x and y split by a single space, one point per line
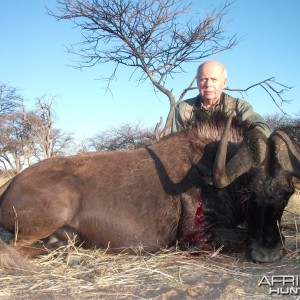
273 88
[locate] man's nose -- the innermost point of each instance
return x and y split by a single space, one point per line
209 82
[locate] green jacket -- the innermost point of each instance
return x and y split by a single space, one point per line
184 112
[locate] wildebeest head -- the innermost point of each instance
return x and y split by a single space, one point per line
272 165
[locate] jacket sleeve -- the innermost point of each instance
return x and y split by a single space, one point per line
245 110
183 113
178 120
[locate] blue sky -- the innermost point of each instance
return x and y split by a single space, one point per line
34 59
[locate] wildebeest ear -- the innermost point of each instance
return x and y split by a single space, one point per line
296 182
286 153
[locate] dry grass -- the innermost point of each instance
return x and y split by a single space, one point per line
75 273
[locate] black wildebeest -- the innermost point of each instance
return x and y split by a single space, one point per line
152 197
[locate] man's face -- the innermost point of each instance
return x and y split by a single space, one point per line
211 82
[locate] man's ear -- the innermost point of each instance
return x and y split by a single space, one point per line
296 182
197 82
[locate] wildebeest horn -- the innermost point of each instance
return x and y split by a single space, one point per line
286 153
242 161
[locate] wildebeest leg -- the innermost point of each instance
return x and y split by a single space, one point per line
222 214
229 238
40 212
61 237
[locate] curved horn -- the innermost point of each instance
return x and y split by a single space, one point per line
242 161
286 153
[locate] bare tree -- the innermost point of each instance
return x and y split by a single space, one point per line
49 141
125 137
10 100
290 125
275 121
272 87
153 37
28 136
16 144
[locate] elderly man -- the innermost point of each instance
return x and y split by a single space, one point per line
211 81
